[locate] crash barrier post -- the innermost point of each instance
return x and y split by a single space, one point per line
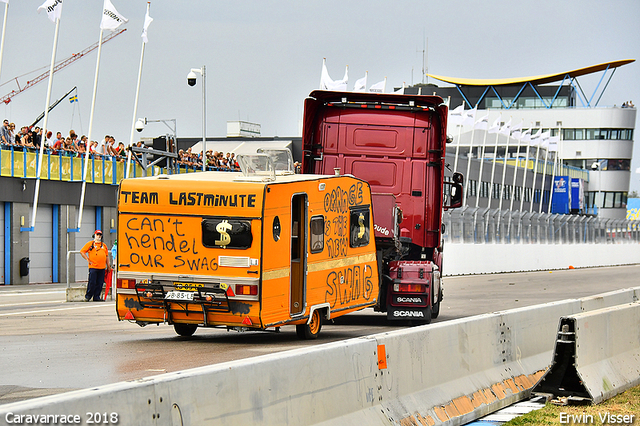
446 373
596 355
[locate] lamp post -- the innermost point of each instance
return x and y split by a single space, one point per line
142 122
191 81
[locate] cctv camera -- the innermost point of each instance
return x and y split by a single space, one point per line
191 78
139 125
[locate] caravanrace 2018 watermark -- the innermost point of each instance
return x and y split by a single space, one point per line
61 419
590 419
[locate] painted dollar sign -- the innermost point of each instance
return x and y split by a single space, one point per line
222 228
361 224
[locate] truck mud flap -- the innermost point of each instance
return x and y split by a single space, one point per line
205 300
408 313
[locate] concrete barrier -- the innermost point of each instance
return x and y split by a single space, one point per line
444 373
464 259
596 355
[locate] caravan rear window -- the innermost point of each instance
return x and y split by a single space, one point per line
226 233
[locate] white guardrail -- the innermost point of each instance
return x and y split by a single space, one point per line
468 259
447 373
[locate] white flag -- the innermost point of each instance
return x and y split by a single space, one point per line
53 8
361 84
506 129
147 21
400 91
526 136
456 115
4 1
482 123
469 116
111 19
495 127
379 87
325 80
553 143
341 85
536 139
516 131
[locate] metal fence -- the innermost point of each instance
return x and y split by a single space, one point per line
493 226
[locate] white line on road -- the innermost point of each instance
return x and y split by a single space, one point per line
29 293
32 303
54 310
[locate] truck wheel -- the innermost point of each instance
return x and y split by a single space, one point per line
435 310
185 330
312 328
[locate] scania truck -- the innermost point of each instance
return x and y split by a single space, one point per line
396 143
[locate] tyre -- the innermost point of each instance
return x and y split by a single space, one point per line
435 310
311 329
185 330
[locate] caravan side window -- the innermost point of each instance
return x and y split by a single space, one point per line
359 227
316 225
226 233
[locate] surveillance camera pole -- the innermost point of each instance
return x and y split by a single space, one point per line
202 71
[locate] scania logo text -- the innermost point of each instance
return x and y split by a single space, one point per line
417 314
409 300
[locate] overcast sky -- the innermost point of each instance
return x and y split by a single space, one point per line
264 56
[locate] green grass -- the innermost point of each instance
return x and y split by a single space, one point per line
627 403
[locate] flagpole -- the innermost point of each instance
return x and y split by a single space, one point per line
504 169
535 175
135 105
466 188
544 175
556 171
44 126
484 141
86 154
493 166
515 172
455 161
524 175
4 27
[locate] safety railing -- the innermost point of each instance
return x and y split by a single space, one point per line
60 166
492 226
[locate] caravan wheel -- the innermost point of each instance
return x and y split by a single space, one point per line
311 329
185 330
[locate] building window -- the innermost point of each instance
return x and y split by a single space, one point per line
484 189
496 191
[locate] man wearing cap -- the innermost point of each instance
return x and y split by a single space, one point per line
97 254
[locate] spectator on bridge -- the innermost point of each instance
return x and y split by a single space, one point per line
4 133
96 253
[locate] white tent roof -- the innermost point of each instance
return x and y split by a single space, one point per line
241 147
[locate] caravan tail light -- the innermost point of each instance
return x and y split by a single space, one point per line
246 290
120 283
409 288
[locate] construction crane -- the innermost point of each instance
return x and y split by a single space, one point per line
7 98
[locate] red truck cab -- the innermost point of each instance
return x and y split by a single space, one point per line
397 144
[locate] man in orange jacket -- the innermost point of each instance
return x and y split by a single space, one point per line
97 254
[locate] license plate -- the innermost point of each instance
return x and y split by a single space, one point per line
187 286
179 295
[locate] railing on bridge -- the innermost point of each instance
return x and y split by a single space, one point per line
102 170
492 226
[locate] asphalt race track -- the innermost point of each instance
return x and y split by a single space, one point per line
50 345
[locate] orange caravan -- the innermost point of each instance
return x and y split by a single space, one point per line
247 251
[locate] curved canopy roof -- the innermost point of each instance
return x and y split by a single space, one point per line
541 79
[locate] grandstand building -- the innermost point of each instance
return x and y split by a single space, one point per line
595 141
